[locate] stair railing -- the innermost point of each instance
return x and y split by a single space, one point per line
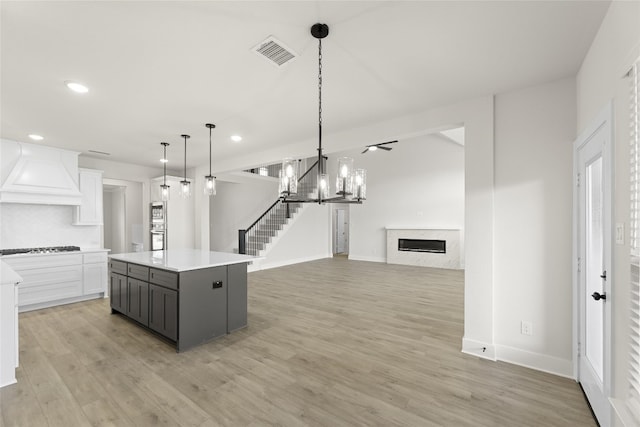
252 239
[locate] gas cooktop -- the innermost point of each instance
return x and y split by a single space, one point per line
44 250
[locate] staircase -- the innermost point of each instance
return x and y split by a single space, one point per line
255 238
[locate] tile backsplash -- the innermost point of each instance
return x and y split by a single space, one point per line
26 226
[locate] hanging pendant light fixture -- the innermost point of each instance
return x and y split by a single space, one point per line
185 184
351 186
165 190
210 180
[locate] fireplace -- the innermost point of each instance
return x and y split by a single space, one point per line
427 247
423 245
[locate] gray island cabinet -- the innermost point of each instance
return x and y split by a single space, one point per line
188 296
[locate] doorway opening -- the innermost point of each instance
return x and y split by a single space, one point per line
115 213
123 209
340 227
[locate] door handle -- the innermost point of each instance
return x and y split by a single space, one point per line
604 275
598 296
217 284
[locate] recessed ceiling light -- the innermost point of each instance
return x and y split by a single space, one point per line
236 138
76 87
36 137
164 161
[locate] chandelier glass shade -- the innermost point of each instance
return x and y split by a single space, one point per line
288 177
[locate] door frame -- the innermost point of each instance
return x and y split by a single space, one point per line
603 120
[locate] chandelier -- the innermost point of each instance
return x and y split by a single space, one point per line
351 185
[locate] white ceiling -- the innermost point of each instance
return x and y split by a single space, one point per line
159 69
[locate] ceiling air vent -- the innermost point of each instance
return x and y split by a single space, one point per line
275 51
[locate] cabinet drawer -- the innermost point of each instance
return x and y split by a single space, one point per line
93 258
163 278
50 284
138 271
119 267
30 262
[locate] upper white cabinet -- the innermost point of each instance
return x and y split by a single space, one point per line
36 174
90 210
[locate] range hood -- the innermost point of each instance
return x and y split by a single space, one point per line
36 174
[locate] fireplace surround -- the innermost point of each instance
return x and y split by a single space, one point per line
427 247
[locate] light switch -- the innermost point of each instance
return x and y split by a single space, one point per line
620 233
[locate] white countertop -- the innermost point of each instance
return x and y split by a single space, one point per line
183 259
81 251
7 275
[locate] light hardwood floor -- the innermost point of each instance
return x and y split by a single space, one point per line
329 343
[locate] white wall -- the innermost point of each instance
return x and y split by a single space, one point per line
127 215
534 132
235 206
306 238
27 226
123 223
107 219
419 183
180 215
600 81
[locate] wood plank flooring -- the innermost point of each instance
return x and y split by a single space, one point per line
329 343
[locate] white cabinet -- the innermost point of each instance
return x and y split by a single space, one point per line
94 273
47 278
55 279
8 324
90 210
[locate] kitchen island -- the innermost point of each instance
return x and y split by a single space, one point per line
187 296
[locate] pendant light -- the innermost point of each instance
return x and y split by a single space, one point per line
351 185
210 180
165 190
185 184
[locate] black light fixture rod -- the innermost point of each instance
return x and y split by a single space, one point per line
210 126
185 155
164 144
320 31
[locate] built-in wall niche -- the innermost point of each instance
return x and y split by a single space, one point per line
439 248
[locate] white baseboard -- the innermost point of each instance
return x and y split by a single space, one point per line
367 258
47 304
479 349
259 265
537 361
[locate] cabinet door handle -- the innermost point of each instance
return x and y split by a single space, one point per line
217 284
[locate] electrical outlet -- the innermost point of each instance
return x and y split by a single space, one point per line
526 328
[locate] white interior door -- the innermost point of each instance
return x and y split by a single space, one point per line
340 231
593 166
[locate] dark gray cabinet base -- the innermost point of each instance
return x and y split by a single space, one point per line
188 308
163 311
